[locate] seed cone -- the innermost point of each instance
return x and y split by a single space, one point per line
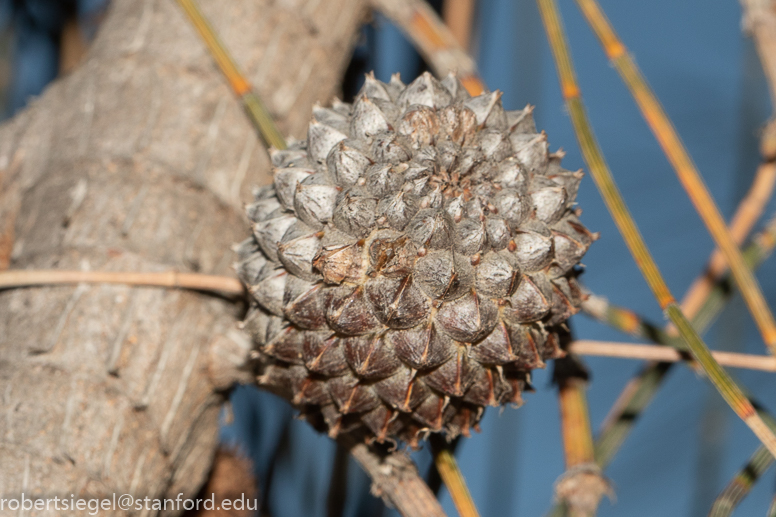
412 261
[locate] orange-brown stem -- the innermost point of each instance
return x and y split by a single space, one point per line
29 278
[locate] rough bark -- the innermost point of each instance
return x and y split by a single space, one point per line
140 160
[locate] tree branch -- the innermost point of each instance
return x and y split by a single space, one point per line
395 478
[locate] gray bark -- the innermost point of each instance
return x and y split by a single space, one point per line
140 160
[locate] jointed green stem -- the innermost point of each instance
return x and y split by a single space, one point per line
729 390
625 320
642 389
742 483
639 395
685 169
628 322
255 109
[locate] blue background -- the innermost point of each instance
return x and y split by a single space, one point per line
687 444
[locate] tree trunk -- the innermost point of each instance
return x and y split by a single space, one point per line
140 160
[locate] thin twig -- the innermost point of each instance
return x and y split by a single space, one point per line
636 396
582 485
580 488
577 437
627 321
755 253
772 509
433 40
640 390
760 21
255 109
741 483
34 277
459 18
765 363
729 390
688 174
395 478
749 211
451 475
631 323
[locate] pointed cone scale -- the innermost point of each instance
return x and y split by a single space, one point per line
286 181
453 377
320 141
355 213
469 318
367 119
371 357
398 303
496 349
338 263
422 347
314 200
348 312
488 110
485 387
324 355
304 304
420 125
527 304
454 86
426 91
401 391
351 396
374 89
430 412
288 346
269 292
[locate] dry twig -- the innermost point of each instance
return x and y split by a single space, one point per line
447 467
199 282
749 211
582 485
433 39
760 22
459 17
666 354
742 483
